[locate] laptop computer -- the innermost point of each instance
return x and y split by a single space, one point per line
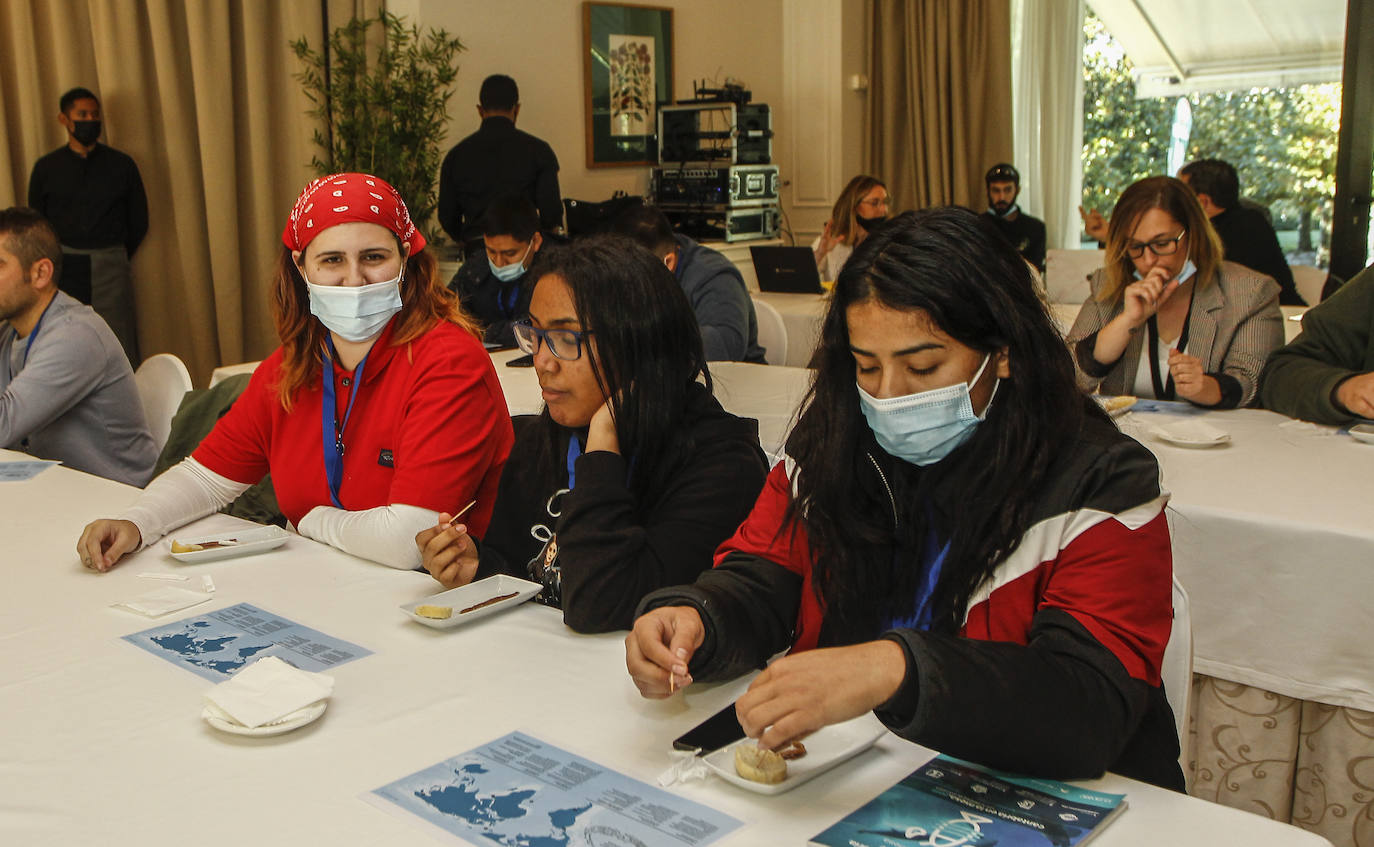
791 270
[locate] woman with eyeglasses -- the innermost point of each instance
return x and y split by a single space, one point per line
380 409
633 473
860 208
1168 319
959 539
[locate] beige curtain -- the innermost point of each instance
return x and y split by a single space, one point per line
201 94
939 98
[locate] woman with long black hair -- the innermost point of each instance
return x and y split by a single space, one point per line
981 555
633 473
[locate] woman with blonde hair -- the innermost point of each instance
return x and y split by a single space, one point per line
1168 319
379 410
861 206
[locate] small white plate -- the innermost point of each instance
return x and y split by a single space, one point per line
825 749
295 720
1363 432
256 540
474 594
1192 434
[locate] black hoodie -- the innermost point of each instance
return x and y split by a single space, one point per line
613 550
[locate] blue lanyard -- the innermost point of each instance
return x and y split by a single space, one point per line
508 306
574 451
933 562
332 429
33 334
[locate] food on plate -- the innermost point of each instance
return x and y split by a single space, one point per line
795 750
178 547
497 599
758 765
438 613
1117 404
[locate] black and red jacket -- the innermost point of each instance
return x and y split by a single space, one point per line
1056 669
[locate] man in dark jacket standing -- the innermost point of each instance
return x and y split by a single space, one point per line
712 283
496 159
94 197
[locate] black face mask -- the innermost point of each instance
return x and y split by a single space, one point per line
870 224
86 132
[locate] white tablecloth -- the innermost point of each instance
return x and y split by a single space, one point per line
104 744
1273 538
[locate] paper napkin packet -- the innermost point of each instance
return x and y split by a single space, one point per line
267 690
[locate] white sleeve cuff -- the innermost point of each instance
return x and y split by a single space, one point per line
385 534
184 492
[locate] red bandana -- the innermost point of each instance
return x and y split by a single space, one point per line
347 197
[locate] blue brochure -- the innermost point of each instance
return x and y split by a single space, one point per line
522 792
215 645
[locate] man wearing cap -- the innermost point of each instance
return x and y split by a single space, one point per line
94 197
494 160
1026 234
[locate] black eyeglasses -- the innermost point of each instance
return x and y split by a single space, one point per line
564 344
1159 247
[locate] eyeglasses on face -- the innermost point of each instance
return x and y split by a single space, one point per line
564 344
876 202
1159 247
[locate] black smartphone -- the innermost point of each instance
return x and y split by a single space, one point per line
526 361
713 733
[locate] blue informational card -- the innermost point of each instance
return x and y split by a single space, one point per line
518 790
951 802
20 471
215 645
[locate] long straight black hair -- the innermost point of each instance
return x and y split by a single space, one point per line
975 287
648 348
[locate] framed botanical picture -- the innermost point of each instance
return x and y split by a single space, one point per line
628 51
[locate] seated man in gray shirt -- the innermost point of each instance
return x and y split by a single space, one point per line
66 389
713 285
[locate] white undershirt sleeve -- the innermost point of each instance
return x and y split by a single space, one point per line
385 534
184 492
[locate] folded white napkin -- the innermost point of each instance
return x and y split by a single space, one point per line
1195 431
267 690
155 604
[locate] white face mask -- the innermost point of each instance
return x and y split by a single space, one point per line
925 427
355 312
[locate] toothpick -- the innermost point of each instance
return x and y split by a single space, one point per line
461 512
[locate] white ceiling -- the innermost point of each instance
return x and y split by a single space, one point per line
1182 46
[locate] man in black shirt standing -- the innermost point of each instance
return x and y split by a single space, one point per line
1246 234
1026 234
94 197
496 159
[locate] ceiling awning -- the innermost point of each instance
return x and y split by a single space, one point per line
1184 46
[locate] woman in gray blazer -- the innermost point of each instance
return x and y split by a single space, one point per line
1168 318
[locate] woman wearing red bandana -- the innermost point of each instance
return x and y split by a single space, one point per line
379 410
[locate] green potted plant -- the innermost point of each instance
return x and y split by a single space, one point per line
383 107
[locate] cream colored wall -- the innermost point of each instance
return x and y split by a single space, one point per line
539 43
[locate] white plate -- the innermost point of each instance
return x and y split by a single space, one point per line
1363 432
1193 434
255 540
295 720
825 749
471 595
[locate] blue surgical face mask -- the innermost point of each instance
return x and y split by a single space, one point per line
512 271
1187 271
355 312
925 427
1011 210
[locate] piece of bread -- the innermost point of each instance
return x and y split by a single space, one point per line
1116 404
438 613
757 765
178 547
